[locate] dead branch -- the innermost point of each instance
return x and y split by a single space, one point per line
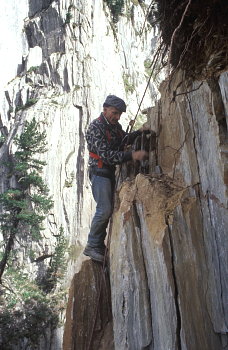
147 14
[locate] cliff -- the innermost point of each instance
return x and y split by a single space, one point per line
169 242
165 286
61 59
168 251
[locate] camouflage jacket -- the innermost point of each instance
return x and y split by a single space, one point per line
108 141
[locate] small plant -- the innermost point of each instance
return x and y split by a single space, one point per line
69 15
153 72
57 266
54 102
68 18
33 69
129 87
147 66
2 140
135 2
128 13
68 183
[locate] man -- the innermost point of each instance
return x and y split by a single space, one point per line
106 140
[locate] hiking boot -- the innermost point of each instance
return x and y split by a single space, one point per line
94 253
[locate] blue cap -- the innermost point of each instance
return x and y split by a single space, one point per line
114 101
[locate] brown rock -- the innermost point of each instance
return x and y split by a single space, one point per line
89 318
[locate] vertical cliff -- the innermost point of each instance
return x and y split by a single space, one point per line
168 251
166 281
169 242
68 58
61 59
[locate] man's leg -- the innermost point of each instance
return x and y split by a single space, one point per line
102 190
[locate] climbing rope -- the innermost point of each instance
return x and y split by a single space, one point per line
146 17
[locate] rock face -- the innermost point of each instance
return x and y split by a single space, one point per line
168 253
65 57
169 241
69 57
89 313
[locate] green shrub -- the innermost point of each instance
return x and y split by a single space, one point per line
2 140
69 15
147 66
26 311
57 266
129 87
33 69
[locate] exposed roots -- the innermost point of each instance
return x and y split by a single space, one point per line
195 33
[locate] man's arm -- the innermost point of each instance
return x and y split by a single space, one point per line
98 144
129 138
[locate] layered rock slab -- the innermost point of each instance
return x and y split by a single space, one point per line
88 323
161 292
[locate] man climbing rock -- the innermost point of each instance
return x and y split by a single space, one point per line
106 141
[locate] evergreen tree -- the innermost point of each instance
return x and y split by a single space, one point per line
24 206
28 307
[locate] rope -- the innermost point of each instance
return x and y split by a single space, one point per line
147 14
132 122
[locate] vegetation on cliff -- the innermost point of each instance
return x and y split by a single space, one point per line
195 34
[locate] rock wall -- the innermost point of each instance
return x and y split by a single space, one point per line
168 253
169 241
89 311
65 57
69 56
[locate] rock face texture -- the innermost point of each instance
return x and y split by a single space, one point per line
69 57
169 241
64 57
168 253
89 313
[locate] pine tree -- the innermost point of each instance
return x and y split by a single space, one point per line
28 306
24 207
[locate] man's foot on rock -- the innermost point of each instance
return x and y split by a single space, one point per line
95 254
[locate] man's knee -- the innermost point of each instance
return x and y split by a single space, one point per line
104 213
107 213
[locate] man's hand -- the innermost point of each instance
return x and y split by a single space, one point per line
145 127
140 155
